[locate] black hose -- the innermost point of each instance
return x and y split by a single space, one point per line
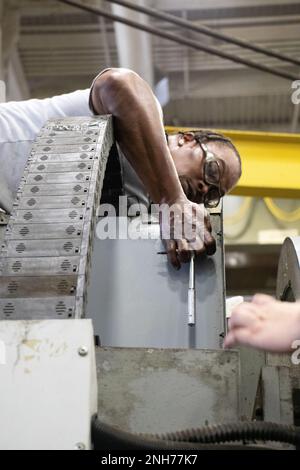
242 431
182 40
105 437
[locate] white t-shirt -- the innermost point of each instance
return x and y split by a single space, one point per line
20 122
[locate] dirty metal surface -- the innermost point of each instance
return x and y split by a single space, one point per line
161 390
45 379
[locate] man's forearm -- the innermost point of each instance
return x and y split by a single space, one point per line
139 131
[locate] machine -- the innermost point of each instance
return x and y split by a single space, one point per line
158 365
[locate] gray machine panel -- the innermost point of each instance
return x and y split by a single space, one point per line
136 299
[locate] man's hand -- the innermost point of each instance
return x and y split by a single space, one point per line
264 323
185 228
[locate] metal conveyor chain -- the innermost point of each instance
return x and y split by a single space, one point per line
45 257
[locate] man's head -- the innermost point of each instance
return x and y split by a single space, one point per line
207 164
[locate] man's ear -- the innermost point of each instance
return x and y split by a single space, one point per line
188 136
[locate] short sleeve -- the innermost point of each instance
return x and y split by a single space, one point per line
92 109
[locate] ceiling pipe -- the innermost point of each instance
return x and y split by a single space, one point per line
199 28
183 41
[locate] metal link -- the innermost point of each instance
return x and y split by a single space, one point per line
53 202
39 266
65 157
45 257
56 189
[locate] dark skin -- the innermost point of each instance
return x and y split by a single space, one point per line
188 158
140 134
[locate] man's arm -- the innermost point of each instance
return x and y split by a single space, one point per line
139 131
23 120
140 134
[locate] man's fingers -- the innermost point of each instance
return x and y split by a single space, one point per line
262 299
207 222
237 336
210 243
184 251
171 246
197 246
189 228
241 317
229 340
186 248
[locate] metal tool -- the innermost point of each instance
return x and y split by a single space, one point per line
191 293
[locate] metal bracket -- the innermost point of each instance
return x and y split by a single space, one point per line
288 277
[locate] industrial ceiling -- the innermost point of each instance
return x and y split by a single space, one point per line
61 48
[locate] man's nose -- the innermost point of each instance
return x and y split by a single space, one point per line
201 191
203 188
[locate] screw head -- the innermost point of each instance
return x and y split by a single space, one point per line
80 446
83 351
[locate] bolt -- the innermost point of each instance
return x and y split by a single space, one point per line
83 351
80 446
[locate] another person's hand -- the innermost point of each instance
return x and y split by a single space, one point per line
264 323
185 228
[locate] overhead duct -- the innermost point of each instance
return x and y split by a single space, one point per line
135 58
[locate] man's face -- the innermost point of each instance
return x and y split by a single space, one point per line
189 161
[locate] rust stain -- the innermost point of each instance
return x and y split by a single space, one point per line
60 350
28 358
32 343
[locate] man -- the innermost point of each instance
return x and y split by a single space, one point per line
265 323
187 170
